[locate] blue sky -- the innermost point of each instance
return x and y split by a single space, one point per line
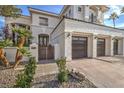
120 21
58 8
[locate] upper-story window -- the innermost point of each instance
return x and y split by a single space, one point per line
43 21
79 9
93 18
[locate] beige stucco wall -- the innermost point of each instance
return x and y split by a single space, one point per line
90 46
22 19
58 37
77 14
94 46
68 46
52 21
120 46
72 25
34 50
39 29
67 12
107 46
10 54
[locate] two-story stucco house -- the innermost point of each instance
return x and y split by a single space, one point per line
77 32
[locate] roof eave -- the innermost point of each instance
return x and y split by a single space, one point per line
32 10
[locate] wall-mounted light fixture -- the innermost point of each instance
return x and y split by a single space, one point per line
95 37
68 34
113 38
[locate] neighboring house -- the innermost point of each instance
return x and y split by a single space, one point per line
23 21
77 32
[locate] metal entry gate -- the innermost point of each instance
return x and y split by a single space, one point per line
46 51
79 47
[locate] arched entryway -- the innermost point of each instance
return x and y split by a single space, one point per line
46 51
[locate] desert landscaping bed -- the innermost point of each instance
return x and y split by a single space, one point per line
8 77
50 81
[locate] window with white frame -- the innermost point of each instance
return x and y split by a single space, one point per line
43 21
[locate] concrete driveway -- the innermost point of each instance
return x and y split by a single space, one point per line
104 72
108 73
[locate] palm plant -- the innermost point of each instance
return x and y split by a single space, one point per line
113 17
4 44
23 34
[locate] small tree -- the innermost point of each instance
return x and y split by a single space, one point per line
4 44
63 72
23 34
25 78
113 16
10 11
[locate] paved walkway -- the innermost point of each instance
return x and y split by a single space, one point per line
101 73
45 69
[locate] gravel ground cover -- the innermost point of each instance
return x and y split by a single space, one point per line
50 81
8 78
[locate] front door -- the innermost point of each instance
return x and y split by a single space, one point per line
79 47
115 47
46 51
100 47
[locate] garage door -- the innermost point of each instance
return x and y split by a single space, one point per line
79 47
115 47
100 47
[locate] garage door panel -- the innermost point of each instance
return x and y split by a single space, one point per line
100 47
115 49
79 47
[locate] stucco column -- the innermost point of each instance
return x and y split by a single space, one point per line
121 46
94 46
34 50
56 51
109 46
68 46
99 16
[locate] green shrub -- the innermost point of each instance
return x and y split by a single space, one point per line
63 72
25 78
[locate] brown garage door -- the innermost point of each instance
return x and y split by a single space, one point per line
79 47
115 47
100 47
